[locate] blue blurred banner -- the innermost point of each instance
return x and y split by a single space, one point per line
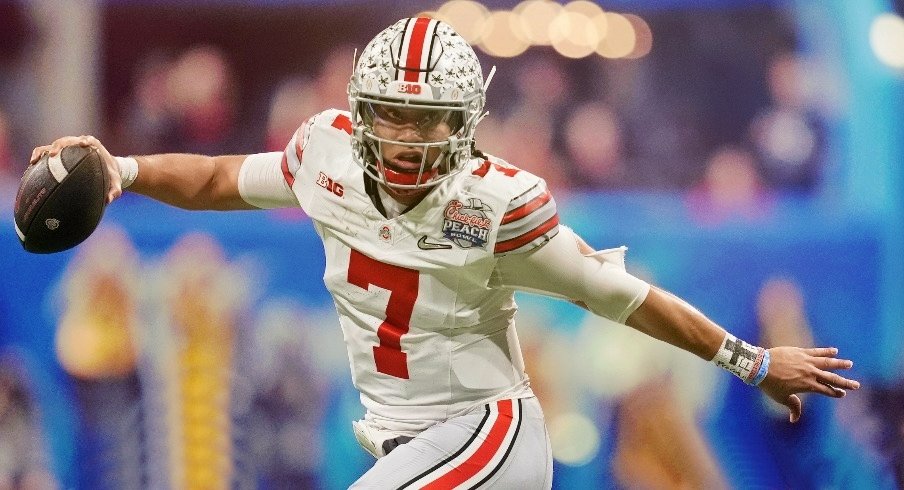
835 259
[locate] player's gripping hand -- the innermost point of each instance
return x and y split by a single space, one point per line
795 370
110 164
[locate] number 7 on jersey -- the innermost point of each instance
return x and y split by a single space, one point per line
402 284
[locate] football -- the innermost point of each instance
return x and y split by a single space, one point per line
61 200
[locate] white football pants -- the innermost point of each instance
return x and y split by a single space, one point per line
501 445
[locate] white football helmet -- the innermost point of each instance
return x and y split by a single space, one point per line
421 66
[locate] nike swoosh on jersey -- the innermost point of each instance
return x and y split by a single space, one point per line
423 244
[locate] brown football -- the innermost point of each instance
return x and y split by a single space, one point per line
61 200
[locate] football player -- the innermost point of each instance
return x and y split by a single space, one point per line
426 241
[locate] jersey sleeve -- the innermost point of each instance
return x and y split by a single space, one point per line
597 280
267 180
292 156
530 220
262 184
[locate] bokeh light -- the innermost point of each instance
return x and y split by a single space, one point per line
574 30
620 38
575 439
466 16
886 37
573 34
536 16
643 36
503 36
585 8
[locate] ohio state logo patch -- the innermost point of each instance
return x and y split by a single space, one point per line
385 233
467 224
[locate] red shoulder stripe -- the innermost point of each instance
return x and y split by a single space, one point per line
521 240
507 170
299 152
343 122
299 142
526 208
482 170
290 179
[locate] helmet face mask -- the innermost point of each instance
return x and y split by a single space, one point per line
419 75
426 122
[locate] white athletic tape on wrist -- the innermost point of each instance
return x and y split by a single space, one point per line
128 170
763 371
746 361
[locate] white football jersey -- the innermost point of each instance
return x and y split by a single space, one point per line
427 337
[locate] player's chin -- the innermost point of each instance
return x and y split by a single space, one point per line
407 196
408 192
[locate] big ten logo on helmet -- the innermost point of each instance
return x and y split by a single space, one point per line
410 88
330 185
467 224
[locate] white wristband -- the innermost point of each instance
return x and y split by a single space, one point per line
745 361
128 170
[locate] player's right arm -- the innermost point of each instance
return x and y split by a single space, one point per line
192 181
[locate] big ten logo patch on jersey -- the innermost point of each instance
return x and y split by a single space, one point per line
330 185
467 224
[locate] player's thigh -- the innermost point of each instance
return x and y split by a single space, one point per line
503 446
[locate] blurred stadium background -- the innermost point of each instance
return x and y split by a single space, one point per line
749 153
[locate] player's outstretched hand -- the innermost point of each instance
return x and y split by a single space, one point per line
795 370
115 187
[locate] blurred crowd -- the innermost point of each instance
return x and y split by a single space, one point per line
728 124
179 382
707 113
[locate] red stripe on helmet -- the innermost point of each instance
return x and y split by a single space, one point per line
415 49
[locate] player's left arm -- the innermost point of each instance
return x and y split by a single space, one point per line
790 369
564 267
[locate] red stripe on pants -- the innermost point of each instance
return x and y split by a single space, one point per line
479 460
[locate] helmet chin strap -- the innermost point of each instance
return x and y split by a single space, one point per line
408 180
400 178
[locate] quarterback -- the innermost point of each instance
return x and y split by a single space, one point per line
426 241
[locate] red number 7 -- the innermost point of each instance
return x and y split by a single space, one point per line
402 284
